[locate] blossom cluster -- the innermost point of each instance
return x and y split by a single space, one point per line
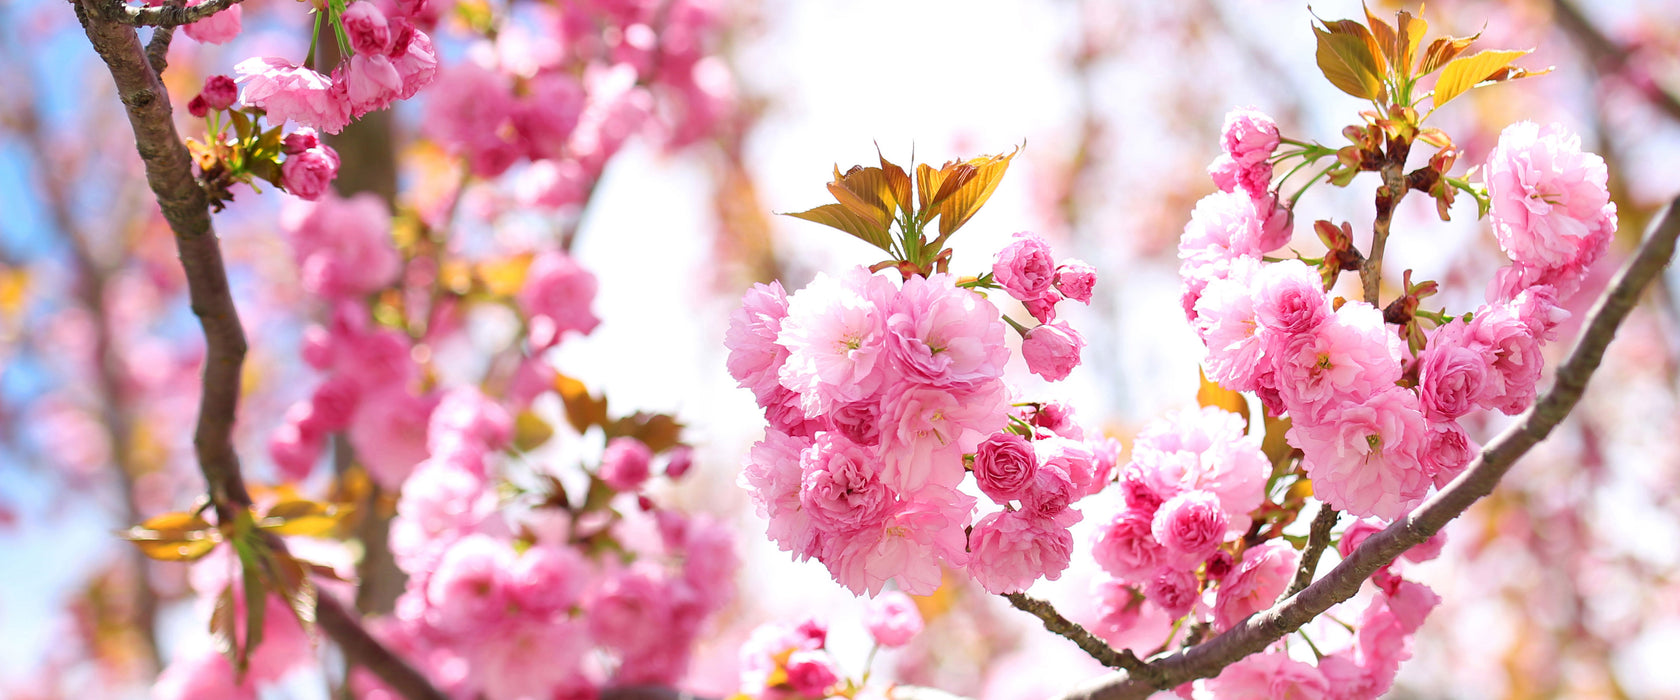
1377 423
1028 272
392 60
880 397
569 99
782 661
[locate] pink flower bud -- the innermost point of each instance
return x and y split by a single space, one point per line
1043 307
1249 136
1052 350
1004 465
892 619
1190 525
308 174
303 139
198 107
219 92
368 30
1024 267
1074 279
810 673
624 465
679 461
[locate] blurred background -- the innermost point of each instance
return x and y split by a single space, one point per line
1562 584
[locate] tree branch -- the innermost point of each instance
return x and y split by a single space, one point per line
1097 648
164 16
169 172
1478 480
1317 539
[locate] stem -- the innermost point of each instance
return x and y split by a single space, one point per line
1317 539
1255 633
1389 195
1097 648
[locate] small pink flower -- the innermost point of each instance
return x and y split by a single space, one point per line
547 580
1446 450
1271 675
310 173
219 28
469 589
892 619
1126 548
908 548
301 139
1004 465
810 673
1515 353
1190 526
835 332
1024 267
1452 375
1290 299
942 335
466 417
1052 350
1174 590
1249 136
755 357
678 461
556 298
1263 575
371 82
1074 279
388 432
772 477
219 91
625 463
369 32
1348 358
413 55
926 431
1010 550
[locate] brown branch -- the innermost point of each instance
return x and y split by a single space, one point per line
1258 631
185 207
157 50
1389 195
361 649
165 16
1317 539
1097 648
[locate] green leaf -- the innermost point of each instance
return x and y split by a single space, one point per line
1346 61
840 217
530 431
241 124
1464 73
174 537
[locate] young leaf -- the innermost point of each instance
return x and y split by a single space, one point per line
301 517
1442 50
174 537
1385 38
898 182
1464 73
530 431
1346 61
867 192
960 197
1409 35
840 217
503 277
928 183
582 410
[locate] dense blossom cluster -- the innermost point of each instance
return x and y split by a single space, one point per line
880 397
392 59
1379 424
567 99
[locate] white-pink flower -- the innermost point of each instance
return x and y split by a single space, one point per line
1011 549
1364 457
835 332
1263 575
841 488
942 335
287 91
556 298
892 619
1346 359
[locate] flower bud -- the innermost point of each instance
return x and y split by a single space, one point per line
1052 350
219 92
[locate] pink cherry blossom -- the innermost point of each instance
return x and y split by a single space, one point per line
925 431
1270 675
1173 589
371 82
1004 465
1351 356
469 587
942 335
413 56
1446 451
1452 374
289 92
1190 526
547 580
892 619
835 332
1203 449
1075 278
1515 358
810 673
556 298
1052 350
1550 204
1126 548
1364 460
626 463
772 477
219 28
1249 136
1289 298
368 30
908 548
1227 321
342 246
309 173
1011 549
1024 267
840 486
1263 575
465 417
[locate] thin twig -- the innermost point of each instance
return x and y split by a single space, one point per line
1258 631
1389 195
157 50
1317 539
361 649
1097 648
